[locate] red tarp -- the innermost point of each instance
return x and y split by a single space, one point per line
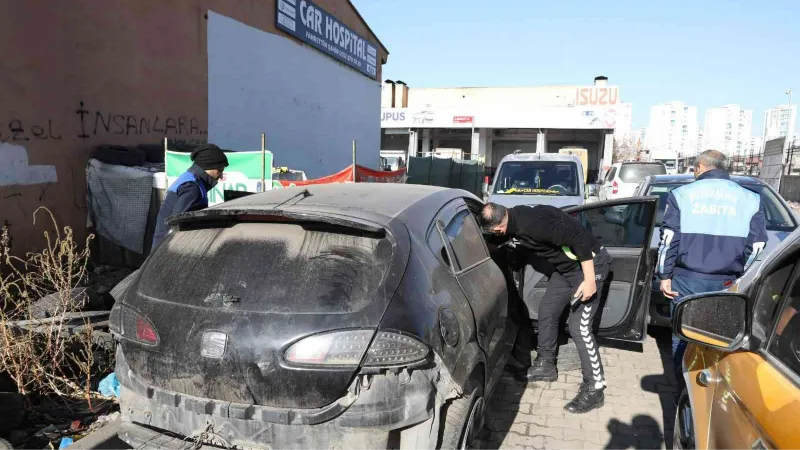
363 175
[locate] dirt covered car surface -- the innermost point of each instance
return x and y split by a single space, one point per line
348 315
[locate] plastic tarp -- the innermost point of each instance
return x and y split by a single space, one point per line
119 201
446 172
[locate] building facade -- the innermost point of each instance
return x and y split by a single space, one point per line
673 130
84 73
491 123
780 122
728 128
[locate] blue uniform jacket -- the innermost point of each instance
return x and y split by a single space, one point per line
188 193
713 229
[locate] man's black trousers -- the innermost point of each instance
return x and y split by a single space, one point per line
560 290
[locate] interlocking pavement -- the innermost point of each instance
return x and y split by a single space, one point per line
638 411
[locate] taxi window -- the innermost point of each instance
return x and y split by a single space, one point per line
785 343
769 297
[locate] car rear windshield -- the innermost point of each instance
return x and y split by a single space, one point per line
537 178
779 218
634 173
269 267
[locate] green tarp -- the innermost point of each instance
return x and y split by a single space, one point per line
446 172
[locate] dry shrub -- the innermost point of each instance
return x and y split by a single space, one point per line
52 358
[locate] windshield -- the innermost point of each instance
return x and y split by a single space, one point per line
634 173
779 218
669 163
537 178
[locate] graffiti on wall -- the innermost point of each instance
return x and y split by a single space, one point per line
88 123
15 170
17 130
18 134
97 122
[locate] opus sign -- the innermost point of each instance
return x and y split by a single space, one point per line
312 25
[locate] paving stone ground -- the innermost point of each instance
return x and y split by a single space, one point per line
638 411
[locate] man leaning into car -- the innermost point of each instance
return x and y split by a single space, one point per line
713 230
579 266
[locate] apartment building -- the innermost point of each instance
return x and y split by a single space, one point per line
780 121
728 128
672 131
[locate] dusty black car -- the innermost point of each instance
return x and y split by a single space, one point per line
333 316
341 316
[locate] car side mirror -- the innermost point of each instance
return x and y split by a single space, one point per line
718 320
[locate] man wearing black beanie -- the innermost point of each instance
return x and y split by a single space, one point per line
190 191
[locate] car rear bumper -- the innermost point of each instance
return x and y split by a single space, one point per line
153 417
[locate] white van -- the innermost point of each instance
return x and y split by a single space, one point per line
539 179
622 178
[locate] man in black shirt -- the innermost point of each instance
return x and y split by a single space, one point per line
577 269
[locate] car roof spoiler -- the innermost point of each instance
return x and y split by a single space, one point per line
236 215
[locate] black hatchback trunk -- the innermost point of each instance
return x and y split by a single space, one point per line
218 306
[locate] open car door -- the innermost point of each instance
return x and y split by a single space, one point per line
624 227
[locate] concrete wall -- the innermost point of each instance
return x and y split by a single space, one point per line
86 72
308 105
790 187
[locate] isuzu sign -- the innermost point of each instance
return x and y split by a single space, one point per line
312 25
597 96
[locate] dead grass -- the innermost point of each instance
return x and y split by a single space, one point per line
49 360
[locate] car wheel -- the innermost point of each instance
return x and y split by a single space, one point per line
463 419
683 432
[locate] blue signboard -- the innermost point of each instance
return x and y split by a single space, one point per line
312 25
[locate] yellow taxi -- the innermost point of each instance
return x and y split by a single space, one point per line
742 364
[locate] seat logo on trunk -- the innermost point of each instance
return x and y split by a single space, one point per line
213 344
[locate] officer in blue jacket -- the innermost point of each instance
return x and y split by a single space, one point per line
713 230
190 191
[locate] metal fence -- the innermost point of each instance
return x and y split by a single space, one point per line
746 164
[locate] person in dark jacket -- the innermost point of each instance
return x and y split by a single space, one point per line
713 230
577 267
190 191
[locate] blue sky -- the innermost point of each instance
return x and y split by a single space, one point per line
705 52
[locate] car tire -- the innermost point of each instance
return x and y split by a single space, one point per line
463 418
682 434
119 156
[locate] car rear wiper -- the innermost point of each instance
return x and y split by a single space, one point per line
304 193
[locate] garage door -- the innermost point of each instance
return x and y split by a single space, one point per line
501 149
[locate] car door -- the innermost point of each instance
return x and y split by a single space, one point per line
480 279
624 227
754 392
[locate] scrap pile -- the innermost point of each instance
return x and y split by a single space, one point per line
55 347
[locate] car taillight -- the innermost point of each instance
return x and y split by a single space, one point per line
615 187
145 331
348 348
129 324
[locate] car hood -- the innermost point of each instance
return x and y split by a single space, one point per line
552 200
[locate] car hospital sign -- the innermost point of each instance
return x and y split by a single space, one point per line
314 26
